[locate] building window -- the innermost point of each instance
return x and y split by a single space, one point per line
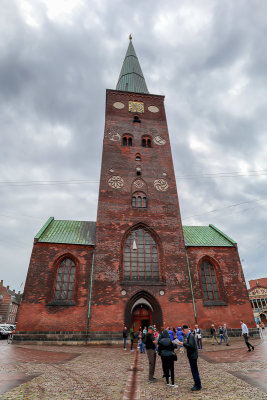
140 257
65 280
137 157
209 284
146 141
138 171
139 200
127 141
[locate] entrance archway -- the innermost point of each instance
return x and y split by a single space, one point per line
142 308
141 317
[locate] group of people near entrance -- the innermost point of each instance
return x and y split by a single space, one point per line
164 343
167 340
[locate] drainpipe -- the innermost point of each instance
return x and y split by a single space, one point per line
191 286
90 298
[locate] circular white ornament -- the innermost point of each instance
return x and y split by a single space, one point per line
116 182
164 174
138 183
114 136
161 185
161 292
159 140
153 109
123 292
118 105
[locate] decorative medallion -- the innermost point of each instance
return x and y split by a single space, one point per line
123 292
114 136
116 182
118 105
111 170
153 109
139 184
135 106
161 185
161 292
164 174
159 140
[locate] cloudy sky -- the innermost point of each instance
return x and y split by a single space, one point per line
57 57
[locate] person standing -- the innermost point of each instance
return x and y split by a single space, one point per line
262 327
166 351
213 335
132 338
198 336
225 334
124 336
245 334
221 334
192 354
151 353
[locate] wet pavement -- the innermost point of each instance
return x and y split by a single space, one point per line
80 372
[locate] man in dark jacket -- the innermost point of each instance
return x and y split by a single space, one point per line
192 354
150 341
166 351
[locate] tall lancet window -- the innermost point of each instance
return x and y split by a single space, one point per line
65 280
208 279
140 261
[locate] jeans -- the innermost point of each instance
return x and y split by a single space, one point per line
195 373
168 367
199 343
222 338
124 342
249 345
142 347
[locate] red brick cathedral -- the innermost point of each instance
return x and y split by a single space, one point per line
137 265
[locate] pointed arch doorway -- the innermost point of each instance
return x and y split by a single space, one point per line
141 317
142 310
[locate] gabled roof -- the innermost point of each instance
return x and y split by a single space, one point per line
69 232
206 236
131 78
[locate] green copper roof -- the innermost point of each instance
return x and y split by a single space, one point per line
69 232
131 78
206 236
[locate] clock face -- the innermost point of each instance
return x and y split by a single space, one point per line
135 106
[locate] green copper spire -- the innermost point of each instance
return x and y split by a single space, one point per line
131 78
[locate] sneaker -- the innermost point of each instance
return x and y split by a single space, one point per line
252 348
249 350
132 350
196 388
174 386
124 349
151 381
168 384
154 379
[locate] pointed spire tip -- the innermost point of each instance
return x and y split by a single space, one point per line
130 36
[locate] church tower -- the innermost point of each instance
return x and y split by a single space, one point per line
140 266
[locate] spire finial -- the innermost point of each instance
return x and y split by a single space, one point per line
130 36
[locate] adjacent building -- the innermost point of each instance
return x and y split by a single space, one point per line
258 299
9 304
137 264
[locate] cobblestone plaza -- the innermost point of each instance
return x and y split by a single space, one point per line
104 373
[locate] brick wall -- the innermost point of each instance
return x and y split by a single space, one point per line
231 285
35 314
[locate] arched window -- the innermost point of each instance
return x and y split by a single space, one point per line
140 261
208 279
146 141
137 157
139 200
65 280
127 141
